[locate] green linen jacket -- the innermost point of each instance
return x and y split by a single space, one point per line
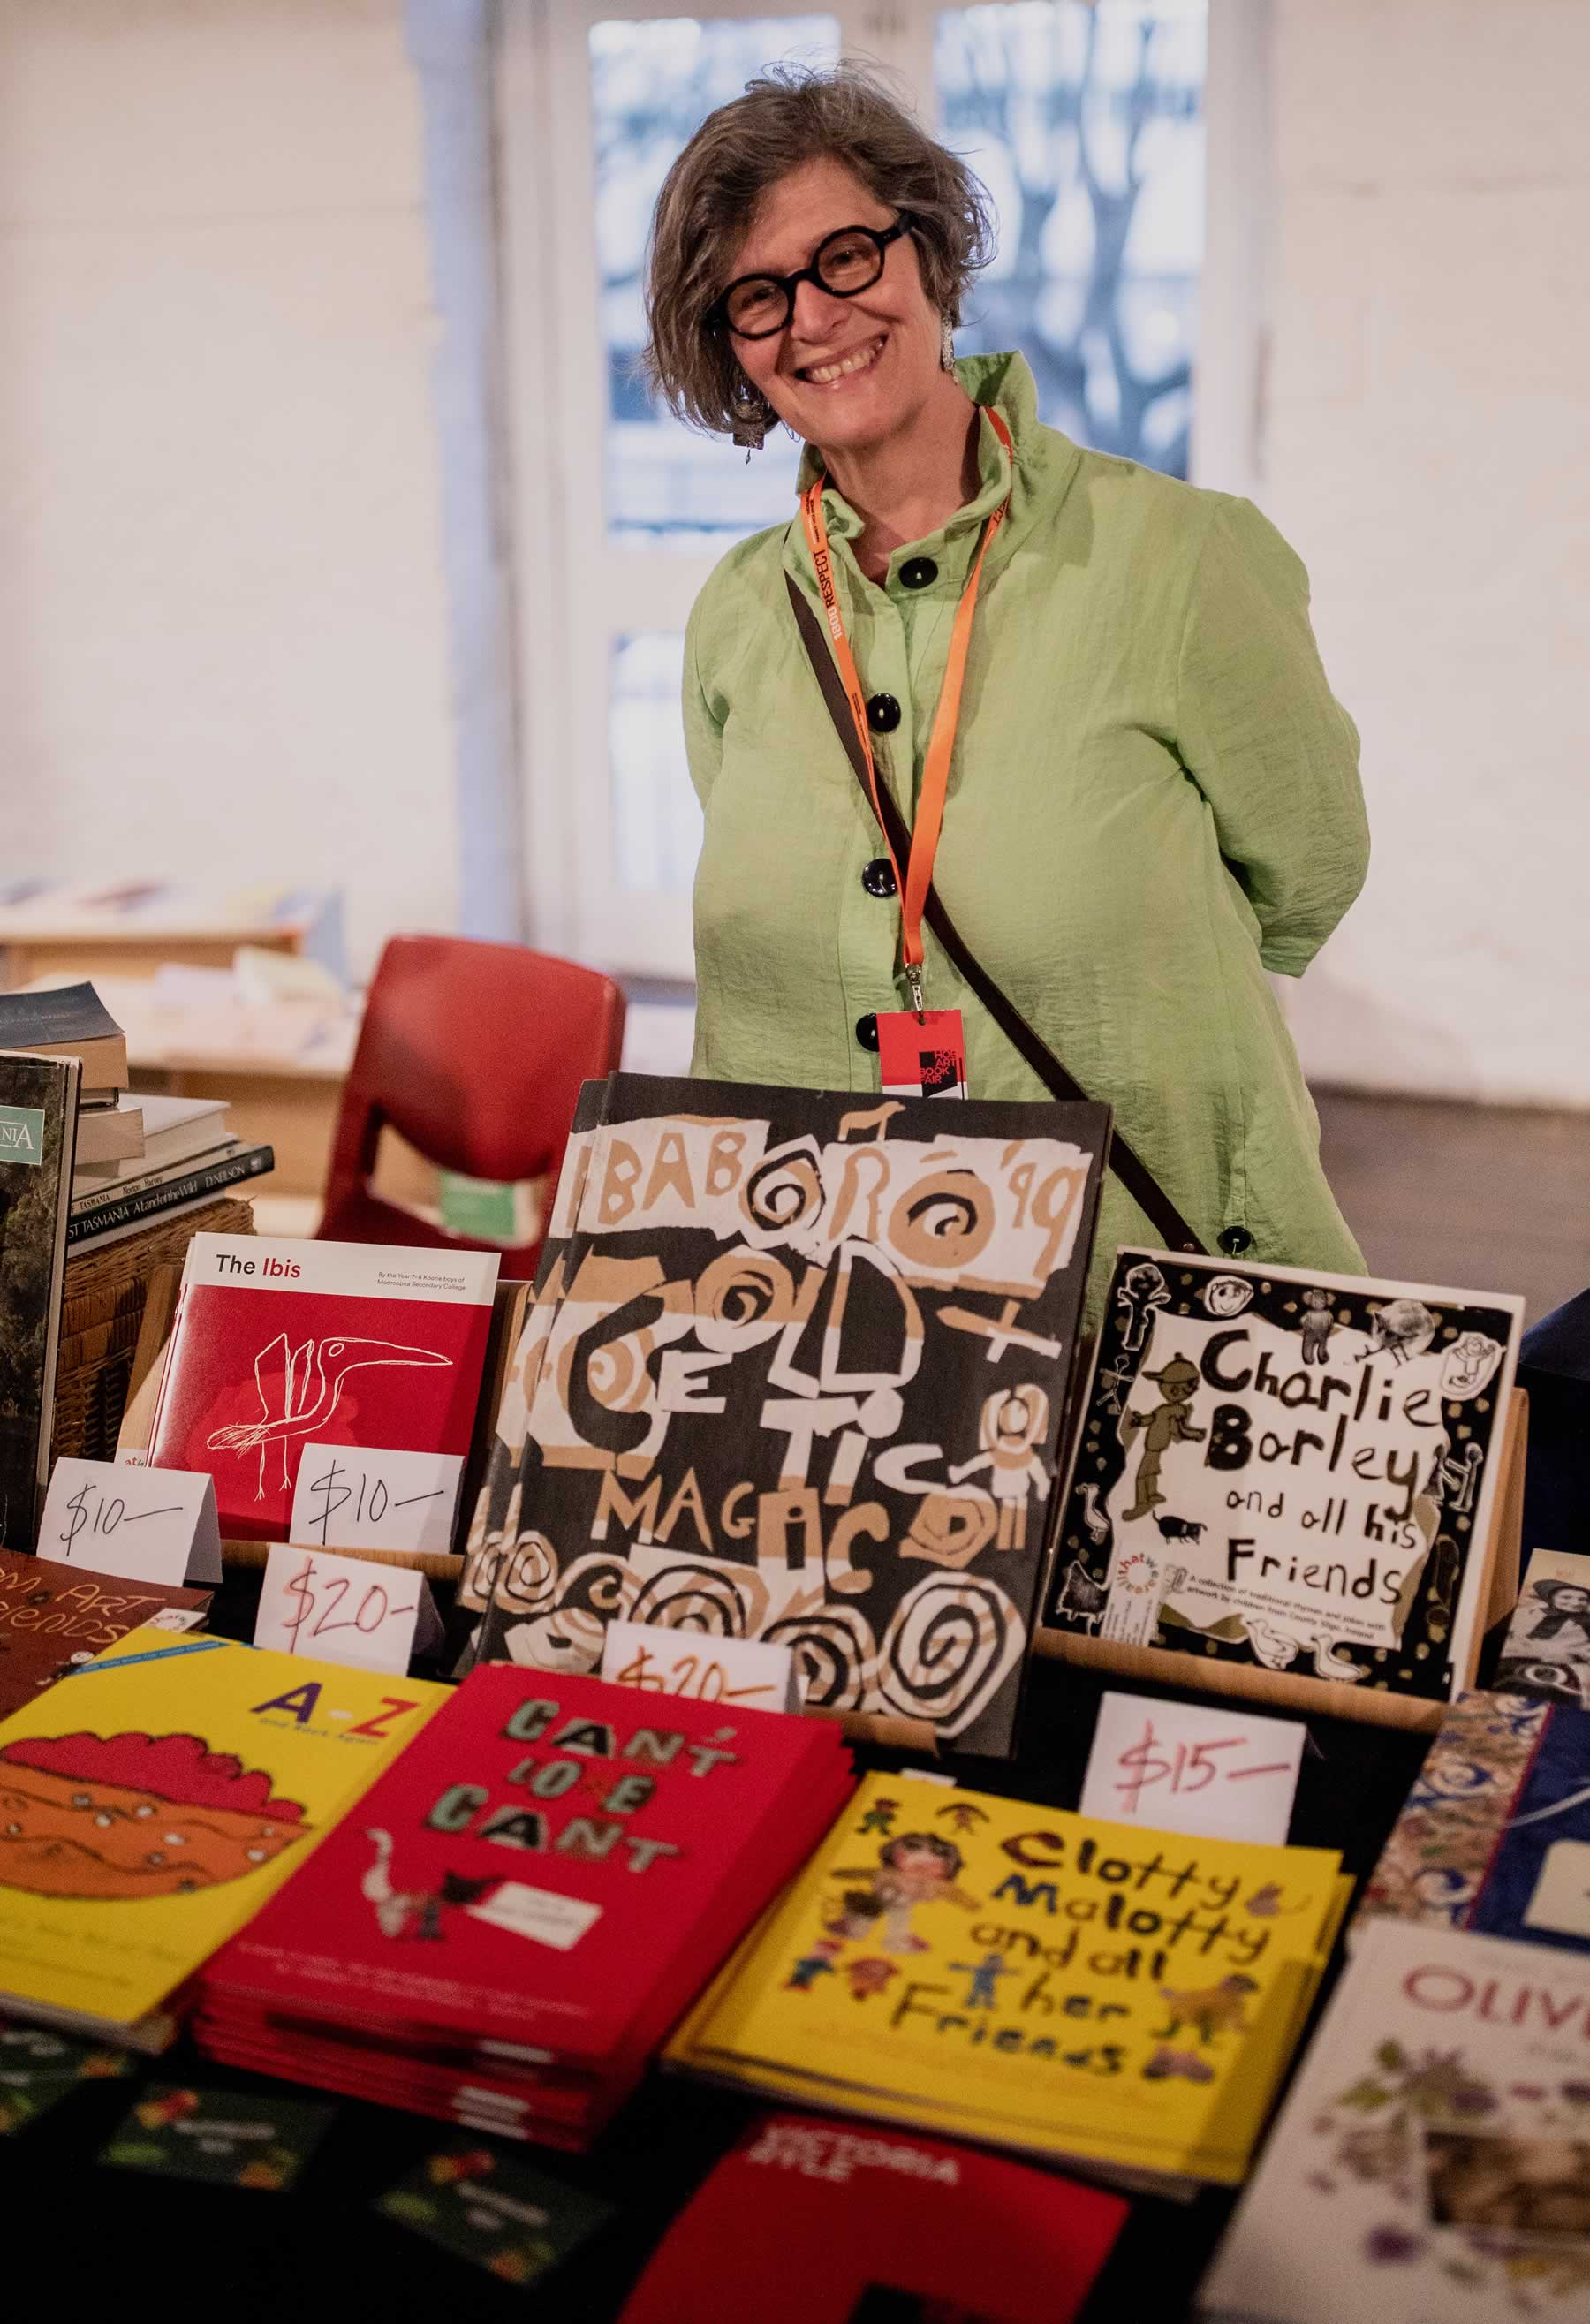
1154 799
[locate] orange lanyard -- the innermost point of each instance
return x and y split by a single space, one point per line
913 888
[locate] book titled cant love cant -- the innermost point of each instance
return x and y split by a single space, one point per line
519 1911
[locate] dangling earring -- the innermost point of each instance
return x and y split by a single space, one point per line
946 345
748 412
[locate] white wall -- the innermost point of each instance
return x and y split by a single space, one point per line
1427 450
223 633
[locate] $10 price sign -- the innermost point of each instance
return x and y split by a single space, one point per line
1214 1774
361 1497
342 1610
139 1524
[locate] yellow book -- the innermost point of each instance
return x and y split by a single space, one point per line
1040 1980
152 1802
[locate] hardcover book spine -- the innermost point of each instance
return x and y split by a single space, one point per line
132 1209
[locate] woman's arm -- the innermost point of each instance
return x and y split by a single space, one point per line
1267 744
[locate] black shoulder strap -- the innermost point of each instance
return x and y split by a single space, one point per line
1133 1173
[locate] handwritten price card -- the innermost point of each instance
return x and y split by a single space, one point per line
1214 1774
340 1609
705 1669
139 1524
351 1496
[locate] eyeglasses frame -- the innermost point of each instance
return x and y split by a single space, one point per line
718 317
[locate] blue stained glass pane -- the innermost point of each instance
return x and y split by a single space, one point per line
1086 126
652 84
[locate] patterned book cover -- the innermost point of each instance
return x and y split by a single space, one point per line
38 1132
1288 1469
279 1345
1431 2165
1495 1835
150 1803
797 1372
1029 1977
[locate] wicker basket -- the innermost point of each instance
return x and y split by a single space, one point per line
102 1308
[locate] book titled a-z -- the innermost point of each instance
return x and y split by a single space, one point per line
280 1344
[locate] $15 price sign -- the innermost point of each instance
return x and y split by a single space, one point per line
342 1610
1214 1774
139 1524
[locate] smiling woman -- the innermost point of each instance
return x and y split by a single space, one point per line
1148 796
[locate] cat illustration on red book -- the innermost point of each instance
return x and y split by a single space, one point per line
300 1389
106 1816
412 1911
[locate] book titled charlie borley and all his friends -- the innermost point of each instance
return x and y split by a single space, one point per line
1289 1471
795 1370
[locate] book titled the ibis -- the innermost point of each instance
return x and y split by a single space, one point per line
281 1344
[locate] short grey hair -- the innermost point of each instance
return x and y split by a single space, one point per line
791 114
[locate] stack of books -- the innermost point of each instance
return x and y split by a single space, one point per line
523 1906
138 1158
1124 2001
151 1802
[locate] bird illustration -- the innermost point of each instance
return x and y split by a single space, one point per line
300 1389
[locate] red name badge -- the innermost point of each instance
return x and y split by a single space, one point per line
921 1056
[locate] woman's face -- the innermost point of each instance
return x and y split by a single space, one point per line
1572 1600
846 374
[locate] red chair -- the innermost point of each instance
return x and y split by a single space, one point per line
474 1054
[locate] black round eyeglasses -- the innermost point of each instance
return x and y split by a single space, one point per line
756 306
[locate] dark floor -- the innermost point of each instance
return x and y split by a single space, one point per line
1468 1197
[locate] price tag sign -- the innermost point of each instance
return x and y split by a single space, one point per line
354 1497
1214 1774
139 1524
344 1610
739 1671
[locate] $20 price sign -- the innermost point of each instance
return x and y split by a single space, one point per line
342 1610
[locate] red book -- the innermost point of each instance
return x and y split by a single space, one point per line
810 2222
557 1863
280 1344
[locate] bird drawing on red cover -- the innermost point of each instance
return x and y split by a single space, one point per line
298 1390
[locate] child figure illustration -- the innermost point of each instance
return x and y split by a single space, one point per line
982 1993
1318 1326
917 1868
1168 1423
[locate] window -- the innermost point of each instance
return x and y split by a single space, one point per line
1086 123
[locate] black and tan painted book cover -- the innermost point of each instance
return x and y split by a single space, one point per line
795 1371
1288 1469
38 1131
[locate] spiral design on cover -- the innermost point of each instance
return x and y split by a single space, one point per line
527 1578
723 1602
605 1584
952 1642
741 1298
944 1222
835 1656
783 1195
